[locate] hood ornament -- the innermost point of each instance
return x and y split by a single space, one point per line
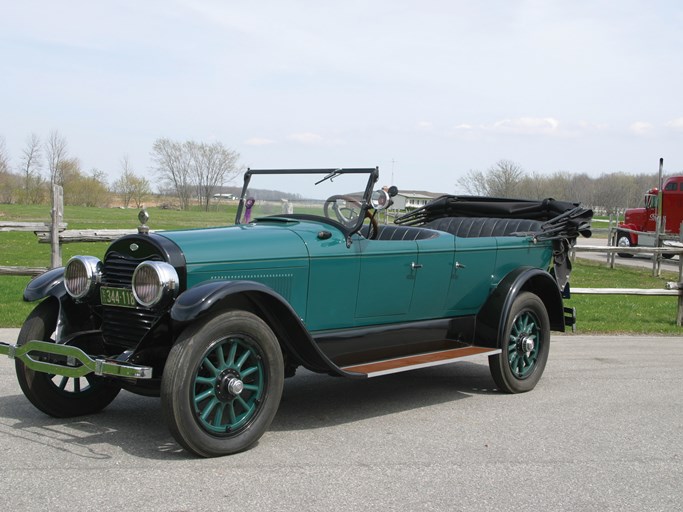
143 217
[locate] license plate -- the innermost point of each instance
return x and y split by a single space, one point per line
121 297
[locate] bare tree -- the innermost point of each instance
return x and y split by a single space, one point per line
501 180
142 189
55 152
124 186
194 166
174 165
30 170
8 180
4 158
213 165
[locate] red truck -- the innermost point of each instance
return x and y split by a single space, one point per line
645 219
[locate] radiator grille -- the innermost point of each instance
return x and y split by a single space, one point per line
125 326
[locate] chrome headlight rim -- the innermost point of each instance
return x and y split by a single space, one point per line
91 275
165 287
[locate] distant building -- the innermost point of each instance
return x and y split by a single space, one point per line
412 199
224 196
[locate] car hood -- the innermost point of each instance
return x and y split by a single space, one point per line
249 242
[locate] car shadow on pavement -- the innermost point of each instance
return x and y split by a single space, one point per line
135 424
315 401
132 423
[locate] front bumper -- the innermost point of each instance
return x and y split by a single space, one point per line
69 361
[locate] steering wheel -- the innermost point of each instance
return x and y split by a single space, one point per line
348 216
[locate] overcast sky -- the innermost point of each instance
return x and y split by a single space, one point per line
428 89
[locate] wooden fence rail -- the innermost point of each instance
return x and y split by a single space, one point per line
672 289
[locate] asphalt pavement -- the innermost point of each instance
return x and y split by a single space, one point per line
603 430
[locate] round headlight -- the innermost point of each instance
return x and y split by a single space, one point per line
81 275
154 282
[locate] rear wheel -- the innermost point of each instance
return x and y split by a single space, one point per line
525 346
59 396
222 384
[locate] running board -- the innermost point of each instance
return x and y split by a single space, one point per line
402 364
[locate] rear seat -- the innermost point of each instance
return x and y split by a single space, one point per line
474 227
394 232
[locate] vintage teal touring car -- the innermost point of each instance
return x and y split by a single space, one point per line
311 275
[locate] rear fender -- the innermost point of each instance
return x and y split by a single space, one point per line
207 298
492 317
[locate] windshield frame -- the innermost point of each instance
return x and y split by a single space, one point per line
332 173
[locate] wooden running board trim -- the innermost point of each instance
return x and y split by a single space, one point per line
402 364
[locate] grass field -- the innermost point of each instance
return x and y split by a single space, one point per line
596 313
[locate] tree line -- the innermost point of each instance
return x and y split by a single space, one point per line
609 192
192 171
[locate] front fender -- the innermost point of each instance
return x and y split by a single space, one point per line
50 283
492 317
199 300
72 316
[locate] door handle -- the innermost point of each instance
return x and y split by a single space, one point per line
459 265
415 266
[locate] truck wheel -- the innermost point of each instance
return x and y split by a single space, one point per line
623 240
61 397
525 346
222 384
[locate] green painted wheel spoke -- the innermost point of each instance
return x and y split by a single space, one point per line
248 371
209 408
231 412
244 404
243 359
218 417
203 396
220 357
208 381
230 361
251 387
210 367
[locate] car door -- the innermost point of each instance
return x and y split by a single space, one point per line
433 277
387 279
473 267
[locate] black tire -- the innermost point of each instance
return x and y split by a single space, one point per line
61 397
525 346
222 384
623 240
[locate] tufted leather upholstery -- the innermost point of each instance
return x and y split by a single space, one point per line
393 232
473 227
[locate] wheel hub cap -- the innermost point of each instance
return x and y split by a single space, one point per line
235 386
229 385
526 344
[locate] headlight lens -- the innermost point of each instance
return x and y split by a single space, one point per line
154 282
82 275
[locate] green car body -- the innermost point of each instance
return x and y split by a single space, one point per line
214 319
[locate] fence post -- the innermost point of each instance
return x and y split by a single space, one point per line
679 316
57 215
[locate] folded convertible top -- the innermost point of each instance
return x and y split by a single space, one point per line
561 219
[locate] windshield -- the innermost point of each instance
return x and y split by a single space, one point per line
339 196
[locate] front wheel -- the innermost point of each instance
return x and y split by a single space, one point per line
222 384
58 396
623 240
525 346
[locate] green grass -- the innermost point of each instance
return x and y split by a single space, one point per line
596 313
601 314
